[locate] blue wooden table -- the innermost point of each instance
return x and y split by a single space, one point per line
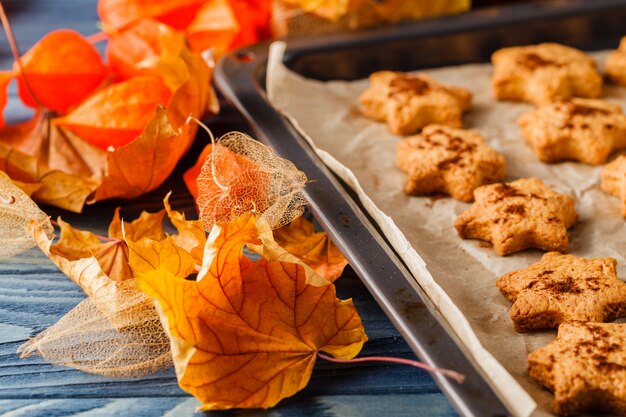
34 295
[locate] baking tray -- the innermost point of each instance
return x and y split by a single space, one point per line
467 38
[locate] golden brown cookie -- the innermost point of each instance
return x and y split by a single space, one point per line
585 367
408 102
614 179
585 130
446 160
562 288
615 65
518 215
542 73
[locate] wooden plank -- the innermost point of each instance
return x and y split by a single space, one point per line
345 406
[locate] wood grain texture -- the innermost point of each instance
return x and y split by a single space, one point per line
34 295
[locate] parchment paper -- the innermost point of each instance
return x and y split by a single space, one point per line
458 275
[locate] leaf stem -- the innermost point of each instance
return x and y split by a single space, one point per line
456 376
225 188
97 37
16 52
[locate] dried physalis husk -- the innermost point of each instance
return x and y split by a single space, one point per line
17 213
130 342
241 175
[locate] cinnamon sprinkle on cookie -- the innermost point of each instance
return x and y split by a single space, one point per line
408 102
585 367
543 73
585 130
450 161
562 288
518 215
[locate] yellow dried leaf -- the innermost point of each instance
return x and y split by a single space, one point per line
191 235
147 226
146 255
51 186
84 271
314 248
115 331
273 252
111 255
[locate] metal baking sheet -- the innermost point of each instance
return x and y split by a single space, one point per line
471 37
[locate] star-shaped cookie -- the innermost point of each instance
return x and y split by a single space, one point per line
613 179
408 102
562 288
615 65
447 160
521 214
585 367
585 130
542 73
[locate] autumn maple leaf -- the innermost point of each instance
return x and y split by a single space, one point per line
246 334
315 249
95 262
260 323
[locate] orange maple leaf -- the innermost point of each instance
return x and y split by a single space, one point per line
117 114
95 262
246 334
146 226
62 69
191 235
313 248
